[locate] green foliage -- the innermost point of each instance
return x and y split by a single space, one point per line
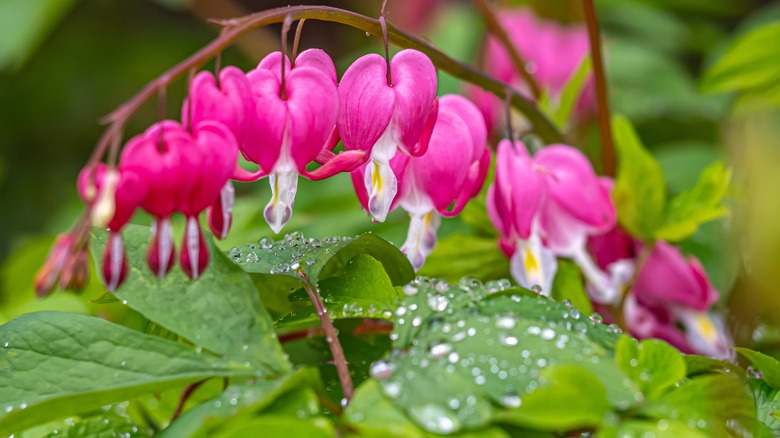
653 365
568 285
560 109
35 20
751 66
458 253
768 366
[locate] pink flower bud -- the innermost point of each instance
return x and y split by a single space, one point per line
47 275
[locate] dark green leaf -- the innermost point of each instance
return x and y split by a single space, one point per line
458 254
568 286
639 192
697 365
220 311
53 364
700 204
769 366
654 365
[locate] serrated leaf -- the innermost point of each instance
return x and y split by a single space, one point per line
459 254
768 365
318 259
716 404
568 285
767 403
570 398
362 290
654 365
54 364
639 193
223 297
238 400
700 204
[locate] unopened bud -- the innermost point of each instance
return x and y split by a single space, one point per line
75 271
47 275
105 205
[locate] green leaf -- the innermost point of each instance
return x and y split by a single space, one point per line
639 193
716 404
104 425
700 204
53 364
570 398
568 285
696 365
767 401
281 426
660 428
654 365
238 400
751 62
319 259
571 92
769 366
459 254
363 290
220 311
457 346
25 24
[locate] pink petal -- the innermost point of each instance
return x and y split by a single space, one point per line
470 114
398 164
317 59
344 162
194 255
425 137
414 84
265 133
312 100
667 278
367 103
525 186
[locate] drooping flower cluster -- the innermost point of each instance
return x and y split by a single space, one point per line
546 206
451 172
671 297
552 52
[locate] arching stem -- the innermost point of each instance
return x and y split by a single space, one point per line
298 31
285 30
383 23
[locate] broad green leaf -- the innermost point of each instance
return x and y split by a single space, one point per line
767 401
460 254
658 429
570 397
456 346
571 92
54 364
219 312
654 365
716 404
238 400
568 285
362 290
639 193
25 24
700 204
751 62
104 425
319 259
279 426
767 365
696 365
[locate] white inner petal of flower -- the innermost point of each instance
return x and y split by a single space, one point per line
117 260
227 197
105 206
534 265
379 179
193 245
284 185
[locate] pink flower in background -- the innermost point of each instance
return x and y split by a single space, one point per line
451 172
379 117
290 126
546 206
553 53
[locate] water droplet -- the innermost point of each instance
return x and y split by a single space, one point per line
295 266
505 322
438 351
392 389
381 369
470 284
547 334
438 303
252 258
410 290
441 286
244 347
595 317
266 243
235 252
614 328
508 340
23 405
754 373
9 408
368 34
233 401
123 363
310 261
6 344
510 400
401 311
536 288
436 419
124 302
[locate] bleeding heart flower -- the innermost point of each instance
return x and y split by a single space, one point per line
378 117
228 101
291 125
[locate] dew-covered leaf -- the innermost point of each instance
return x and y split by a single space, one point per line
767 365
53 364
654 365
220 312
238 400
767 401
104 425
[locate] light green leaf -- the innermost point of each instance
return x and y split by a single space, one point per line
238 400
104 425
280 426
571 92
639 193
654 365
700 204
220 311
768 365
362 290
568 285
751 62
459 254
657 429
767 401
570 398
54 364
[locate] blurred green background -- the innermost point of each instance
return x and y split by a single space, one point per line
66 63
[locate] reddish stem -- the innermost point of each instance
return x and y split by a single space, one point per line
602 97
495 28
185 395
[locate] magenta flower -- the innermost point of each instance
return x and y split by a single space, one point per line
185 172
451 172
228 101
553 53
378 117
290 126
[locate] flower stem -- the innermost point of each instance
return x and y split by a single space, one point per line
339 360
185 395
498 31
602 97
239 26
